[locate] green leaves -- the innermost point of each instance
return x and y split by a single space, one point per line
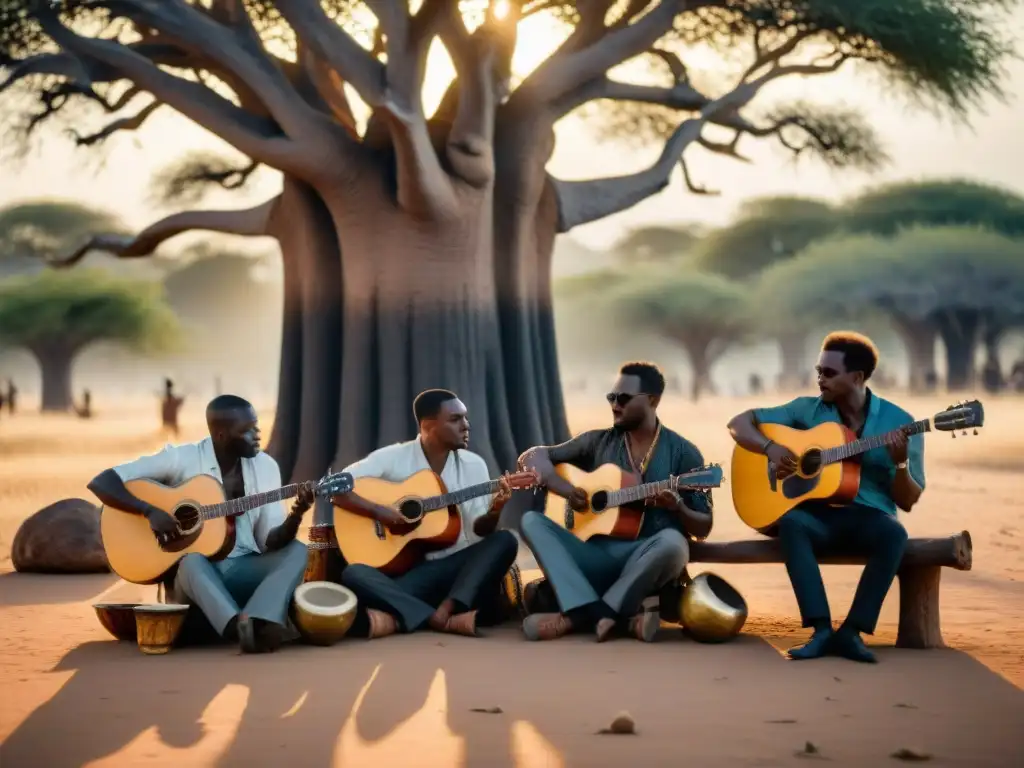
75 308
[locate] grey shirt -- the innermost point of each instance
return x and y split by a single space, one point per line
673 455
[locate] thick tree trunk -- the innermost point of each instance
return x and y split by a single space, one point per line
55 362
959 331
418 313
792 350
919 339
525 214
305 427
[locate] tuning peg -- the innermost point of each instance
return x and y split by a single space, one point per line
953 435
975 431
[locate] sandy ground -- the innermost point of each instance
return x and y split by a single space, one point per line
71 696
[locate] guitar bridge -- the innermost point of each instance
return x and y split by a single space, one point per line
570 517
378 526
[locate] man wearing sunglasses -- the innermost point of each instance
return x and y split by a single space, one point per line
892 476
599 584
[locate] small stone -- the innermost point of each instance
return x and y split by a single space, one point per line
488 710
810 750
901 705
911 755
780 722
622 724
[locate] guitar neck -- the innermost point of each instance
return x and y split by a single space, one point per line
244 504
445 500
639 492
865 444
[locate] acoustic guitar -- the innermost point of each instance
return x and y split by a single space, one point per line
205 517
614 498
828 464
431 512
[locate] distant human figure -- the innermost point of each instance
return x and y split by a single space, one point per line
756 385
170 408
85 411
12 396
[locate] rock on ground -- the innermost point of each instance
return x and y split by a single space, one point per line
61 538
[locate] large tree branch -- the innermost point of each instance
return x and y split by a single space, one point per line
235 49
566 71
250 222
328 41
482 63
681 96
254 136
581 202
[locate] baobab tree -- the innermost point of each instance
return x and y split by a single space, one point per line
417 247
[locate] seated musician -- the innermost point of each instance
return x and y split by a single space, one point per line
890 477
266 564
601 583
454 589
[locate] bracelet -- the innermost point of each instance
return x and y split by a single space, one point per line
768 443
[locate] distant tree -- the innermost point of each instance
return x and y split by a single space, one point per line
768 230
949 202
55 315
658 242
32 231
950 280
703 313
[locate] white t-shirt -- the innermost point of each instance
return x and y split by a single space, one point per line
177 463
463 468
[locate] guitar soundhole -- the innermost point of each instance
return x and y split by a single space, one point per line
598 501
810 462
411 509
187 517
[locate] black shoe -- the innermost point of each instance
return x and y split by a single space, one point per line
848 644
258 636
819 645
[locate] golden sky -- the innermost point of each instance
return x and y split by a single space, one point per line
922 146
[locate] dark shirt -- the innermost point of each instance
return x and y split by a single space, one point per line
673 455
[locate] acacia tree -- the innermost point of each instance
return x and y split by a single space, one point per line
704 314
960 279
57 315
417 248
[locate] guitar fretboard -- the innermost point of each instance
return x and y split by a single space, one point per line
638 492
849 450
445 500
244 504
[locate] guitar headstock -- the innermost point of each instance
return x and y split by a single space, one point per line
334 484
529 478
705 477
962 416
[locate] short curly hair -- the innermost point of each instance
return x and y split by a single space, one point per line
859 352
652 381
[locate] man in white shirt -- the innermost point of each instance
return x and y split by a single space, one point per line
452 588
266 563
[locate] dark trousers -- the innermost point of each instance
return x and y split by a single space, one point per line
603 576
472 578
807 531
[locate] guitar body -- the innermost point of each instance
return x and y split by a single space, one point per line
362 540
619 522
760 507
132 550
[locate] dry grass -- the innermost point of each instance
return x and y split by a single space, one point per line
973 484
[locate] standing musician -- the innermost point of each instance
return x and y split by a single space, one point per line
890 477
601 583
266 564
454 589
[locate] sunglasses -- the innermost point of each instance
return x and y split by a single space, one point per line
621 398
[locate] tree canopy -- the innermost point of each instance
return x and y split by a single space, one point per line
74 309
886 210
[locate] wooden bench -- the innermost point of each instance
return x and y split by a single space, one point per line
919 576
